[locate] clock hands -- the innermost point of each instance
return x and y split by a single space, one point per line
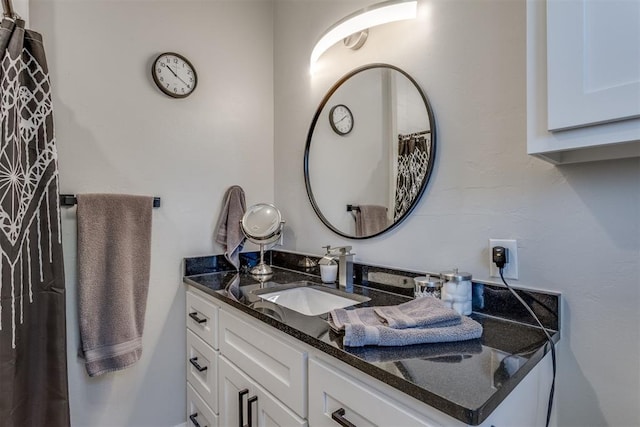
343 117
177 76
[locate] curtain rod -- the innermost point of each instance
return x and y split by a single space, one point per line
8 8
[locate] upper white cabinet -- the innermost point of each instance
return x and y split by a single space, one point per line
583 79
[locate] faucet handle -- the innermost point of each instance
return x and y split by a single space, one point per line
340 250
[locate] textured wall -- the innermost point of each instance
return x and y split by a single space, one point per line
577 226
117 133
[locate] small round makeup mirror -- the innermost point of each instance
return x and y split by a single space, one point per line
262 224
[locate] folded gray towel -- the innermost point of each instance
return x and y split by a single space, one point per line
437 352
419 312
114 253
363 327
370 220
228 229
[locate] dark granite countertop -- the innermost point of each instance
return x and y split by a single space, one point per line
466 380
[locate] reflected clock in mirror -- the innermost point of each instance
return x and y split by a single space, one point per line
370 185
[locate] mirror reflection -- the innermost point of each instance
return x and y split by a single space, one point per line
370 151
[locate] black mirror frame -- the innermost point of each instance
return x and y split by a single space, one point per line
430 166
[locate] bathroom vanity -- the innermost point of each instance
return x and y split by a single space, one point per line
251 361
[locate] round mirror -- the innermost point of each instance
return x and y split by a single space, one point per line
262 224
366 181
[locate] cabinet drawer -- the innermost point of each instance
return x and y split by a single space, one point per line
202 369
271 362
202 318
331 390
198 413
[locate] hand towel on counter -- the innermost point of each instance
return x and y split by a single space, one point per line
446 352
362 326
114 257
228 229
419 312
370 220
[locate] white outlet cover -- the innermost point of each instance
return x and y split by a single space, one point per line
511 268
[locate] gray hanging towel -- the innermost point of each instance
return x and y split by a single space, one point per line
228 230
370 220
114 257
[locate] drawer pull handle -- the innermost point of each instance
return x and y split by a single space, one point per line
338 416
194 362
195 317
249 414
241 394
195 422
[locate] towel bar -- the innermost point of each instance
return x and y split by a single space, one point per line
352 208
70 200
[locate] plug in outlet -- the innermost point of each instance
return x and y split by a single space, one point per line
511 268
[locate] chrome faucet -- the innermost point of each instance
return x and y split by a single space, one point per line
345 265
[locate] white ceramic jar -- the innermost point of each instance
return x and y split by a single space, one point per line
457 291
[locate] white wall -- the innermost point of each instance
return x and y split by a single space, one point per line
117 133
577 226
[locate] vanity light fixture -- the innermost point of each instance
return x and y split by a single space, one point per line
377 14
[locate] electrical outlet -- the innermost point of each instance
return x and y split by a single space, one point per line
511 268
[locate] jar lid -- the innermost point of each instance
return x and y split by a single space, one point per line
455 275
428 282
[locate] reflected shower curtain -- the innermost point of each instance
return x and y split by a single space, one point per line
33 371
413 160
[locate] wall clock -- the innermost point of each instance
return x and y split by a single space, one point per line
341 119
174 75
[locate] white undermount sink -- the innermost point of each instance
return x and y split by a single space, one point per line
311 301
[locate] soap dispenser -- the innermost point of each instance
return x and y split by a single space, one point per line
328 267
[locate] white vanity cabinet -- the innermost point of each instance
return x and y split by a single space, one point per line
202 360
583 80
267 378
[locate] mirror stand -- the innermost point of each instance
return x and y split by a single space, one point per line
262 269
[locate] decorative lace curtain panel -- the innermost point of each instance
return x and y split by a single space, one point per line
413 160
33 366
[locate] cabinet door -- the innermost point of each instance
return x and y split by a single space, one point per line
243 402
593 54
234 389
271 362
336 398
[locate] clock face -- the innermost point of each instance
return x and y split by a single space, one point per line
174 75
341 119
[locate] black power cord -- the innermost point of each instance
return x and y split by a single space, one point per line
500 258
